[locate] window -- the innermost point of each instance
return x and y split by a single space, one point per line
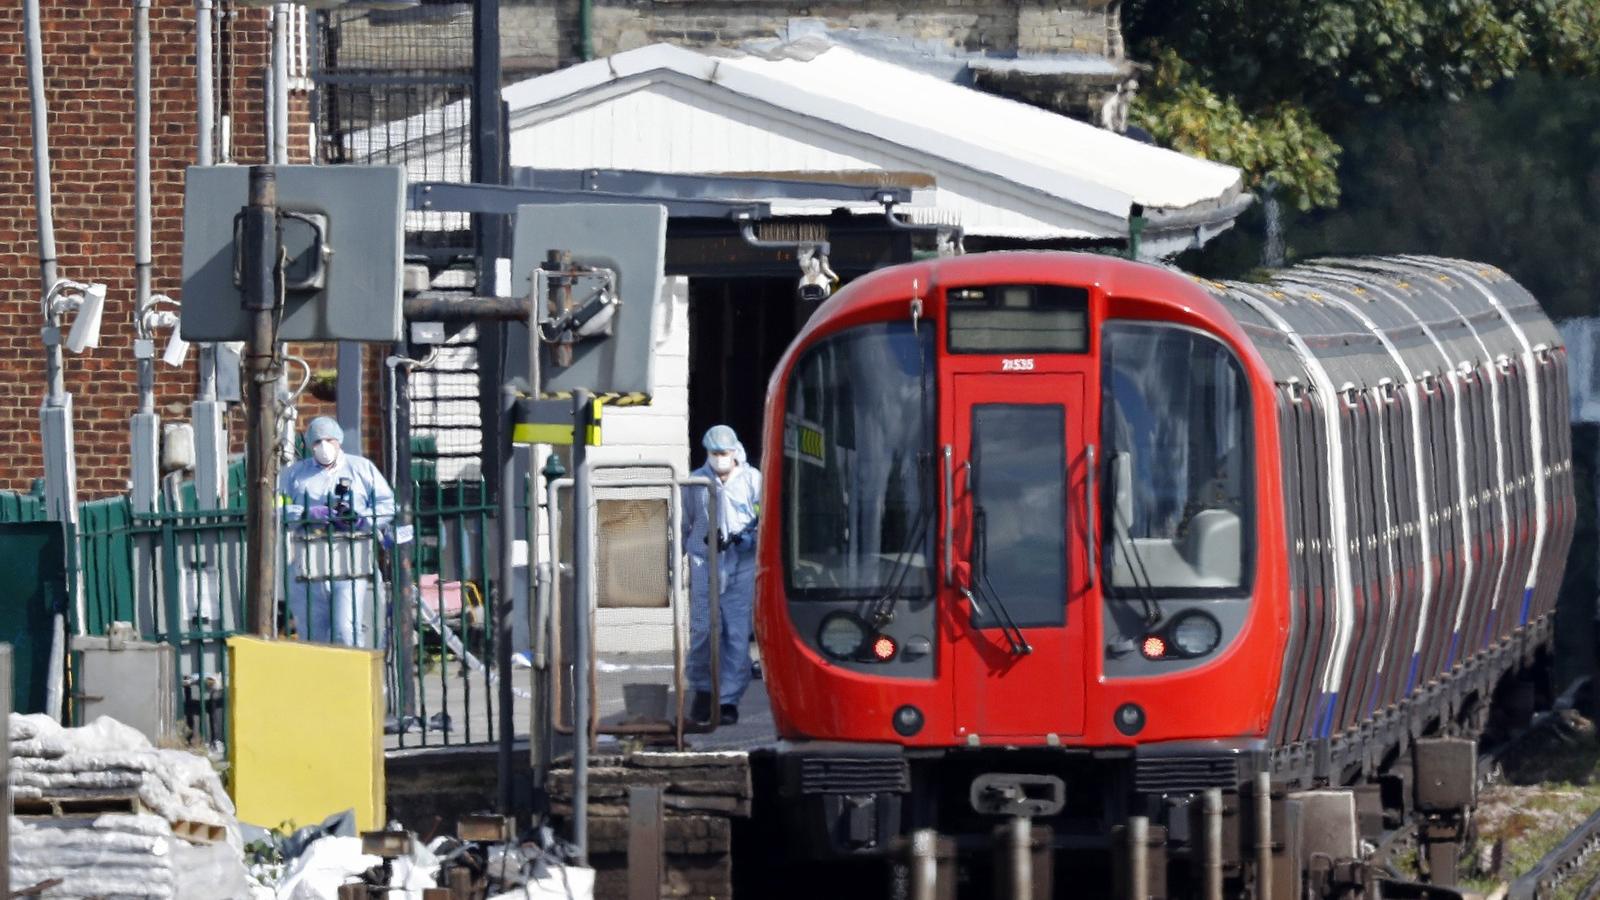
1175 428
1018 318
858 490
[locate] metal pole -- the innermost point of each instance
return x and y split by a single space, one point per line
280 84
400 476
583 588
55 415
924 864
145 426
1211 809
1138 858
41 185
260 250
1263 798
505 619
1019 840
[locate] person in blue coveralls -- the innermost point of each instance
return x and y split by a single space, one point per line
736 541
327 494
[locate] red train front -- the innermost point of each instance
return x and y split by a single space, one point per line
1025 550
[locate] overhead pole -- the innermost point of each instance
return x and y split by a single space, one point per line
488 149
259 250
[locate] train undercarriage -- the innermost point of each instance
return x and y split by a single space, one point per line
1384 812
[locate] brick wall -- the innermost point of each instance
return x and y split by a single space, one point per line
88 49
540 35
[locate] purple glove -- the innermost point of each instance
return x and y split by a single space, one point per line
319 513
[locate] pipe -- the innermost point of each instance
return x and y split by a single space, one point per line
55 387
1263 798
1138 858
1211 809
146 361
280 84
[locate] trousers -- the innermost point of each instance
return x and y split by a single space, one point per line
336 612
737 603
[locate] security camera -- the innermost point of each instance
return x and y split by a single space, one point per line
177 349
816 279
86 325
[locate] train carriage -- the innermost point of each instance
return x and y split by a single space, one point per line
1075 538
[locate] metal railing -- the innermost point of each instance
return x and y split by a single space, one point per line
190 565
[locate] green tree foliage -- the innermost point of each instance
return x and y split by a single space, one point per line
1510 177
1262 83
1281 146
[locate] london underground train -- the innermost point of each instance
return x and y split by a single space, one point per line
1091 541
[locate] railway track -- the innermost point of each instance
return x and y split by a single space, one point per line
1558 866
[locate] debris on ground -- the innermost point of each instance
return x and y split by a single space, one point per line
99 811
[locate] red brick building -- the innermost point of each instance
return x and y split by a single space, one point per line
89 74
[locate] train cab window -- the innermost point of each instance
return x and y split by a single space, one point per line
1176 434
1018 318
857 483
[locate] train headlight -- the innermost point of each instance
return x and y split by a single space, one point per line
1195 633
842 636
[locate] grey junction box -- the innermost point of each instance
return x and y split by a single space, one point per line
630 240
130 681
355 292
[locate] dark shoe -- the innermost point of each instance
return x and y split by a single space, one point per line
730 714
755 669
700 709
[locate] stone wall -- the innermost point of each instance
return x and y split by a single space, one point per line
541 35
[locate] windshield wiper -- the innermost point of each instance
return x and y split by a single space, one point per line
1008 627
1141 577
882 609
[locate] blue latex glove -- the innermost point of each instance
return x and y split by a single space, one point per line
319 513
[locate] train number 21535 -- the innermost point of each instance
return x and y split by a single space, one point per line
1017 364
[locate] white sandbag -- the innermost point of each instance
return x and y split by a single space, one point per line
327 863
555 883
209 872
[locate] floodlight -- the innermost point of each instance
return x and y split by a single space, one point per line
86 325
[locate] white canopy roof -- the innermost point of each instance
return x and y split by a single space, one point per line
1002 168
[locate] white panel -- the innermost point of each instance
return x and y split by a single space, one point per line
696 134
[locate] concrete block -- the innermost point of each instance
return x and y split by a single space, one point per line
1327 823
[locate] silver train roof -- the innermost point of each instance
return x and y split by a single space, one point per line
1357 315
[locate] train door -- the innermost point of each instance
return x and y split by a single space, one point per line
1017 504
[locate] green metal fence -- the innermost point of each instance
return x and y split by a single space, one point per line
178 575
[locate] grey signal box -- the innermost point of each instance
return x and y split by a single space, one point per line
343 232
628 239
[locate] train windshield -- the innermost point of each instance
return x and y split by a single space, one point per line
1175 430
858 489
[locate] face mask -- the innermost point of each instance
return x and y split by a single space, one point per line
325 452
722 465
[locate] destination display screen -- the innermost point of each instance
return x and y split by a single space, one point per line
1013 318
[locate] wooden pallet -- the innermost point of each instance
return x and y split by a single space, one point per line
198 832
93 805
